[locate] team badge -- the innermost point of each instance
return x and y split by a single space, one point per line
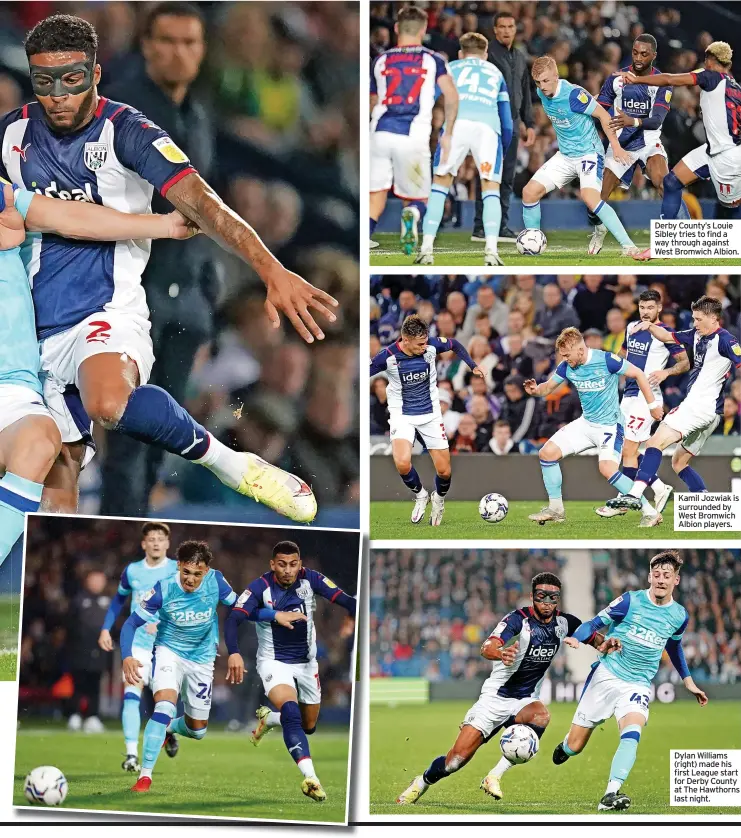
560 631
148 595
615 602
170 151
736 349
583 97
668 97
329 583
95 155
303 592
243 597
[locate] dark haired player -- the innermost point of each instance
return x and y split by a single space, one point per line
638 112
716 352
184 608
282 603
649 354
521 648
644 623
91 312
138 578
414 407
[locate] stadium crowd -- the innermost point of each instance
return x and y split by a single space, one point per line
589 41
509 325
72 571
430 611
270 117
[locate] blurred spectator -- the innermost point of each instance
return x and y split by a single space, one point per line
615 322
556 315
519 408
593 339
489 304
501 441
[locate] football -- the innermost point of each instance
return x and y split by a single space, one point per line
46 785
493 508
519 743
531 242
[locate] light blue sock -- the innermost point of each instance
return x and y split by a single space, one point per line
492 213
568 750
608 217
624 484
552 478
435 210
17 496
131 719
179 726
625 756
154 732
531 215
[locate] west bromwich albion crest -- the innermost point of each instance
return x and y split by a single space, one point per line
95 155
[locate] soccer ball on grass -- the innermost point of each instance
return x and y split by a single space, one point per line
46 785
531 242
493 508
519 743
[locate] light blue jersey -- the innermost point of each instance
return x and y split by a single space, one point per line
136 580
19 348
644 630
188 622
481 87
596 382
570 110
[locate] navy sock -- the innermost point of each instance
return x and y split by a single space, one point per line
154 417
649 465
293 734
373 223
539 731
693 480
436 771
653 478
412 480
630 471
672 199
421 206
593 219
442 484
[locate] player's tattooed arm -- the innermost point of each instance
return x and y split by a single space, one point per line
604 119
286 291
661 79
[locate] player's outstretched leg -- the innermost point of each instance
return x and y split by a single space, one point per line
297 745
443 477
631 495
550 466
266 719
131 722
608 217
431 224
411 215
183 726
492 217
154 738
622 763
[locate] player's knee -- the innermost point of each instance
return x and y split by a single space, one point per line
444 472
607 468
531 193
309 730
106 409
549 453
541 718
403 465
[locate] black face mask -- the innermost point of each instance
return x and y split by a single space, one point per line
49 81
547 596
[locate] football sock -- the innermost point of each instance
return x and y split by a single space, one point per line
568 750
17 496
154 733
593 220
421 207
434 215
273 720
180 727
625 757
436 771
442 485
131 719
412 480
539 731
502 766
625 486
648 469
692 479
492 218
608 217
672 200
651 481
373 223
629 471
683 211
552 478
295 737
531 215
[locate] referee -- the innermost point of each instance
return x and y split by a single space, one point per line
513 66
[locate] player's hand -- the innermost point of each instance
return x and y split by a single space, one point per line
151 628
641 326
628 77
656 377
444 148
510 653
571 642
478 371
288 618
531 387
657 413
610 644
235 669
131 667
105 641
289 293
529 137
620 154
12 227
699 695
620 120
180 227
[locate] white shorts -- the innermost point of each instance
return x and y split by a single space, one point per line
694 426
638 419
17 402
560 170
605 695
432 431
303 677
581 435
491 711
478 139
639 157
62 355
145 658
400 161
192 681
724 170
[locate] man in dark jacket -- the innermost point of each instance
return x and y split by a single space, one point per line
513 66
556 315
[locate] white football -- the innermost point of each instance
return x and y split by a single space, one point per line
532 242
46 785
519 743
493 508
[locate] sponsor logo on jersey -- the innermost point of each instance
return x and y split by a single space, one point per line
22 151
589 386
736 349
486 170
637 104
170 151
77 194
544 652
668 97
415 377
95 155
329 583
192 616
635 345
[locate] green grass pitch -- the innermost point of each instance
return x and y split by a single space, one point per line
221 776
9 610
390 520
405 739
565 247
